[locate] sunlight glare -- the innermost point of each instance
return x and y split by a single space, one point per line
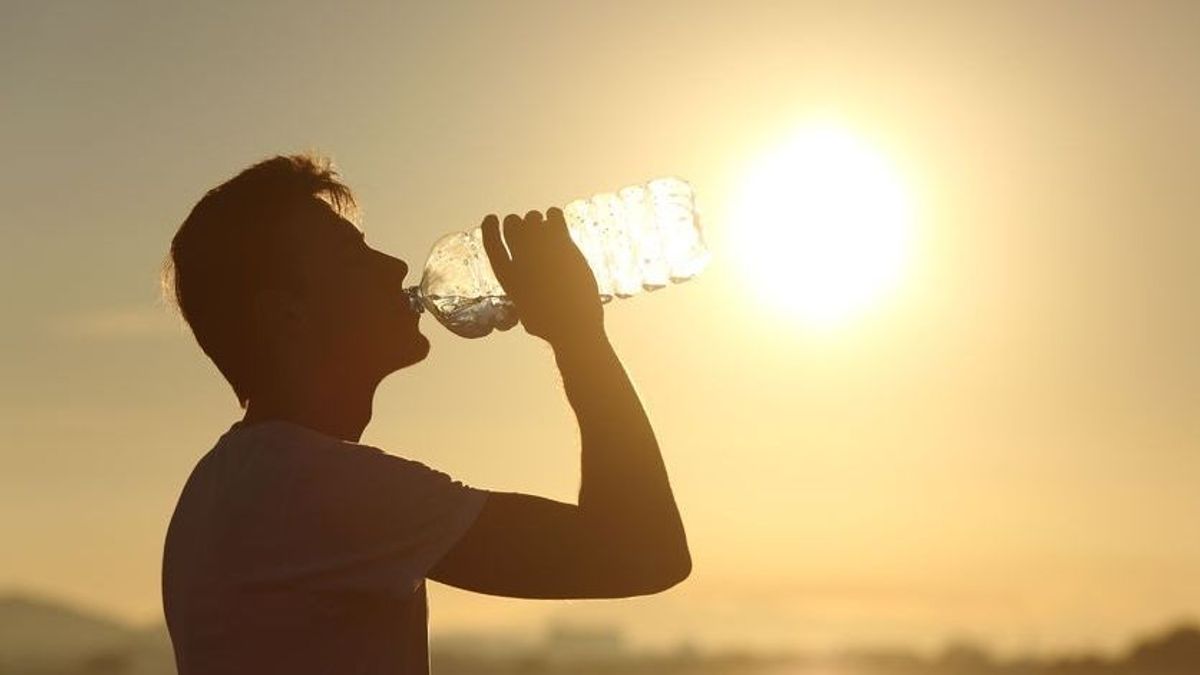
822 226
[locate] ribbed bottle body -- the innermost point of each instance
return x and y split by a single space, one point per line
641 237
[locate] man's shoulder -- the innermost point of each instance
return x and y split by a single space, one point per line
277 443
280 439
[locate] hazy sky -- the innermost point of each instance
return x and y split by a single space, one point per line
1008 447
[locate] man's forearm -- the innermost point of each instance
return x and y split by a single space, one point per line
624 486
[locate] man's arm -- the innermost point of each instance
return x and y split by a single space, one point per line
625 536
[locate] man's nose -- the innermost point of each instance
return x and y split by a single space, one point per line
397 267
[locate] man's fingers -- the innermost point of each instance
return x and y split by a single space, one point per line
538 231
533 240
515 235
556 222
494 247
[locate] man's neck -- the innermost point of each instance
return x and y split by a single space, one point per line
339 412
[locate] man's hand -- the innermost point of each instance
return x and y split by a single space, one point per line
546 276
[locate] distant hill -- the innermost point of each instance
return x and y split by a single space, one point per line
36 631
41 628
39 636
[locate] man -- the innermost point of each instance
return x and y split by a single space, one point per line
295 549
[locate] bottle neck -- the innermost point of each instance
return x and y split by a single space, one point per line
415 299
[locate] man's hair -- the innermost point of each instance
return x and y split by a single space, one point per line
233 244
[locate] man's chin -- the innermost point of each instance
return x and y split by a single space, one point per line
414 352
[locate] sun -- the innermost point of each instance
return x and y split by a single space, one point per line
822 226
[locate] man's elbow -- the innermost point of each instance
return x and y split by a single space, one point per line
646 568
680 570
670 571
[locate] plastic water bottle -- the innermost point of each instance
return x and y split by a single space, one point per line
641 237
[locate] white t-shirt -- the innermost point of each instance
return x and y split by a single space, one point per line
291 551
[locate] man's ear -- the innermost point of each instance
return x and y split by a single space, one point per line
276 312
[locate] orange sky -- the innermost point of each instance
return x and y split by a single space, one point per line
1006 448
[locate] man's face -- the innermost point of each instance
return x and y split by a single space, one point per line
355 313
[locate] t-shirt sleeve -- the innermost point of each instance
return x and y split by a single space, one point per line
440 512
366 521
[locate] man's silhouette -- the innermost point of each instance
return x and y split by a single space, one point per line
295 549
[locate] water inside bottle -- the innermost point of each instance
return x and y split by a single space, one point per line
473 317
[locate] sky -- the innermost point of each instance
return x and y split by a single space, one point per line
1003 448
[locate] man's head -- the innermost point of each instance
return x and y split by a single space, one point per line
280 289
